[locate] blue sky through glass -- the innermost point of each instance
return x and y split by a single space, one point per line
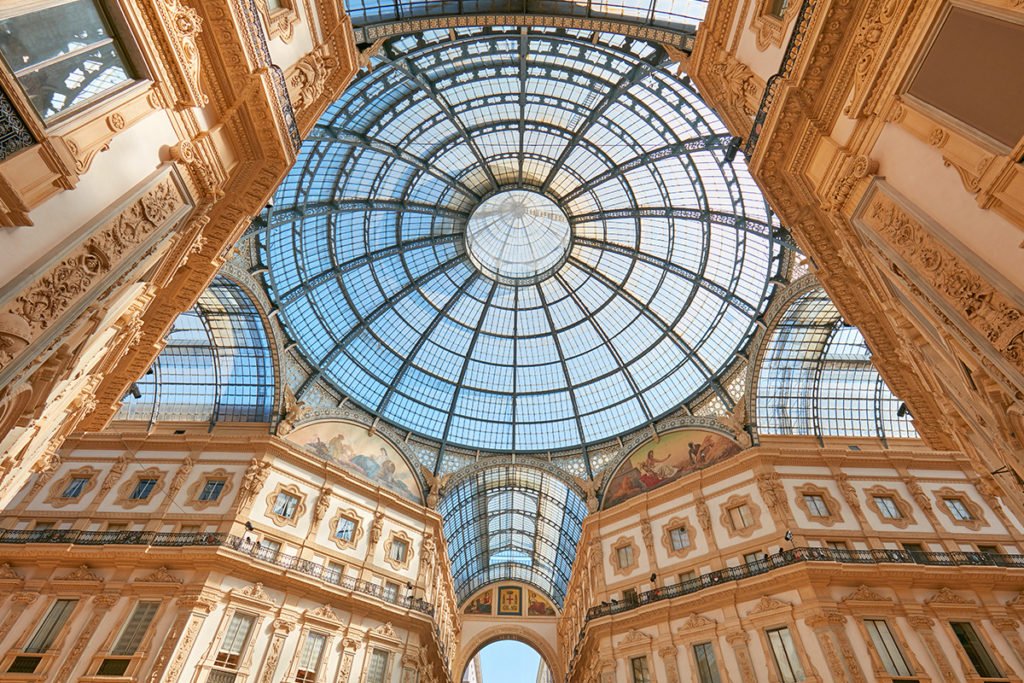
509 661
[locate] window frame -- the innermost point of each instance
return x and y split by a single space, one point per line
233 659
644 672
980 648
794 671
121 36
886 651
706 663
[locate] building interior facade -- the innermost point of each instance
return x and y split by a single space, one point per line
679 340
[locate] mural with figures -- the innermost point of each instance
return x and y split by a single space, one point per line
351 447
657 463
509 601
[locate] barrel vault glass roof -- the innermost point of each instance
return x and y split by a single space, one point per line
817 378
512 523
672 256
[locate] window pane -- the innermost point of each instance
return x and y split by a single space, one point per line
309 660
975 650
958 509
51 626
212 489
640 672
680 538
285 505
62 55
74 487
237 634
135 629
786 658
346 527
377 667
888 651
142 489
707 667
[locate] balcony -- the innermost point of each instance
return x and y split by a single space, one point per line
796 556
155 539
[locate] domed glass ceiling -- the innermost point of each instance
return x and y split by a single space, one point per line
517 239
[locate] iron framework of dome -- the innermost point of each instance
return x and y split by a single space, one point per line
672 253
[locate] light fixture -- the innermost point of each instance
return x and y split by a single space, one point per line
902 410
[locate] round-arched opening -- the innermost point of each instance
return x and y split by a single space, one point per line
507 660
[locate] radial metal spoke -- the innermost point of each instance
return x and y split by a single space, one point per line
718 290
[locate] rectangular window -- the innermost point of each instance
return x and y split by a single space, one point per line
916 551
138 623
687 576
975 649
268 549
63 53
740 517
816 505
624 555
777 8
235 639
143 487
285 505
42 526
629 595
212 489
680 537
752 558
707 667
74 487
399 549
334 572
786 659
51 626
346 529
837 545
390 591
887 648
309 659
641 674
958 509
887 506
378 666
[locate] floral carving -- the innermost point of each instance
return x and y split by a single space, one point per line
160 575
82 573
49 297
308 78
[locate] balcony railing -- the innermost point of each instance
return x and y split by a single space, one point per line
796 41
798 556
219 540
14 134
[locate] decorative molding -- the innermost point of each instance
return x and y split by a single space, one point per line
696 621
768 604
125 491
255 591
160 575
7 573
945 596
402 537
976 512
357 529
666 536
324 613
300 506
865 594
906 511
82 573
39 306
56 500
252 482
733 502
769 29
835 512
613 556
196 488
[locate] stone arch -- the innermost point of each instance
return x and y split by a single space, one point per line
521 633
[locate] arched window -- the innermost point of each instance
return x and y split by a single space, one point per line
216 367
512 523
816 378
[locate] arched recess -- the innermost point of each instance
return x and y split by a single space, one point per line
217 365
524 634
814 377
512 522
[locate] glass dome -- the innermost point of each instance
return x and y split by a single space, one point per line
524 240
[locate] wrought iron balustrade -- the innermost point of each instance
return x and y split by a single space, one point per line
801 555
14 134
796 41
215 539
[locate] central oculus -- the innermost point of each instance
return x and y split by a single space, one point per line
518 237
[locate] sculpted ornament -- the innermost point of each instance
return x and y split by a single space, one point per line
736 422
253 480
295 411
590 488
435 486
322 503
83 573
308 78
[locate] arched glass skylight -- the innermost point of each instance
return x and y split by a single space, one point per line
512 335
512 523
816 378
216 367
